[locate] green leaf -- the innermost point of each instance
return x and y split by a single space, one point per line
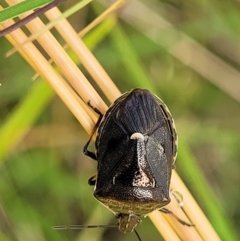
22 7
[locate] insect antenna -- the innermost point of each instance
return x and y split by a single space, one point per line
138 236
61 227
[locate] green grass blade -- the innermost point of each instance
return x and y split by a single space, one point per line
130 59
24 115
22 7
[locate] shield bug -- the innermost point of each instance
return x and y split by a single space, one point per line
136 146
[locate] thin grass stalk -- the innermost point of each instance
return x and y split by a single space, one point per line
64 63
110 21
184 232
194 212
40 64
163 226
116 5
35 25
85 56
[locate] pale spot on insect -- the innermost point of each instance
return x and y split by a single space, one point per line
160 149
137 135
142 180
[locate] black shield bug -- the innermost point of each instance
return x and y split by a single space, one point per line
136 146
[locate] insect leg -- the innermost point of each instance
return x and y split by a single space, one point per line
164 210
92 180
178 196
85 148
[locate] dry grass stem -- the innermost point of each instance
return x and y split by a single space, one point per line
65 64
169 228
163 226
193 211
185 233
39 63
80 34
86 57
118 4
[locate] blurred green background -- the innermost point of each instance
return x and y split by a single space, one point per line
43 179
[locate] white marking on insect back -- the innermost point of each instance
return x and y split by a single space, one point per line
137 135
140 149
141 179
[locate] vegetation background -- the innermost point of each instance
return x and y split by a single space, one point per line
43 179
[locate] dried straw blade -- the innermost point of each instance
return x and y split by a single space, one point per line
39 63
65 64
85 56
